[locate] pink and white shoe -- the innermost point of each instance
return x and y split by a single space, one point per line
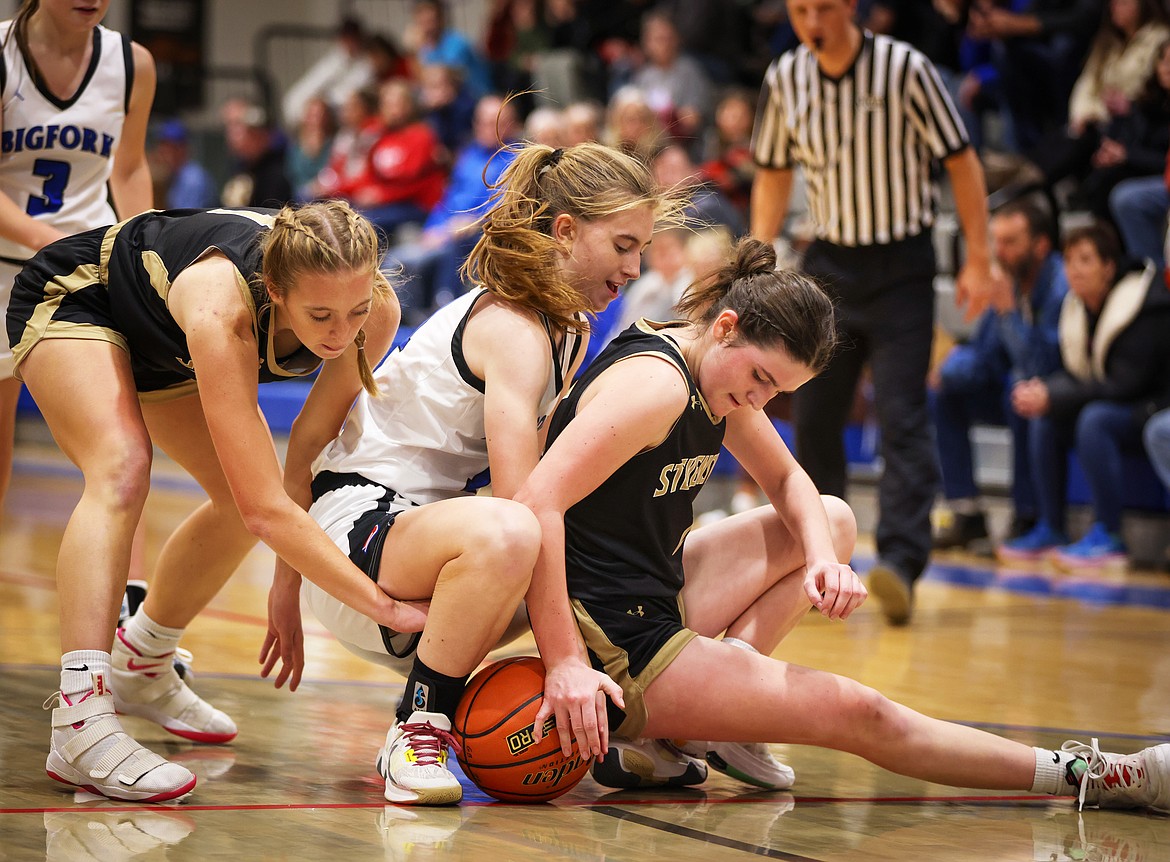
149 687
89 749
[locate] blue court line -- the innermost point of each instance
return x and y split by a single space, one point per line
1034 583
183 483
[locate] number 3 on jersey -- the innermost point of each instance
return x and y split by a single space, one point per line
52 197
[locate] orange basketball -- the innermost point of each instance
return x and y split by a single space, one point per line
493 724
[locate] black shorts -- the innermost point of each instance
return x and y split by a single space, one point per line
632 642
62 293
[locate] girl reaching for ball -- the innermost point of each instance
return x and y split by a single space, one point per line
629 448
155 332
463 401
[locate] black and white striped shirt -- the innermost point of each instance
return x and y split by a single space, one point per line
865 141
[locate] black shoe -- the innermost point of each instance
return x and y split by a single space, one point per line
962 531
894 592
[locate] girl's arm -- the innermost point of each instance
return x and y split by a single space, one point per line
509 350
831 586
630 407
130 181
205 302
318 423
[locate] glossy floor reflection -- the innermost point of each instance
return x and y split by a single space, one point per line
1023 653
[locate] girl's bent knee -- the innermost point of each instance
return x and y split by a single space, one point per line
506 538
842 526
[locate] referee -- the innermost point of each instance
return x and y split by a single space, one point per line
866 117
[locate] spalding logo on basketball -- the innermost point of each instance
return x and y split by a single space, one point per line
493 724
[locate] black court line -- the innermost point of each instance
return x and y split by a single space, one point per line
705 837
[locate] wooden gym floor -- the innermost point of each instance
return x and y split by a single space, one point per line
1028 654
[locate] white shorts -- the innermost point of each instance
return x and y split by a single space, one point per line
357 516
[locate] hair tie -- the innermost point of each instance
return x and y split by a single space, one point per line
554 159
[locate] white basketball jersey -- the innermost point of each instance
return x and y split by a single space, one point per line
423 435
56 156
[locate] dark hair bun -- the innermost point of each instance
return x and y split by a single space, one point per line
753 257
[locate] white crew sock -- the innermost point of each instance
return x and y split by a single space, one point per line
78 669
1052 772
150 638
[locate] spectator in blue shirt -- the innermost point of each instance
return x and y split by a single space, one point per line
430 265
188 185
434 42
976 378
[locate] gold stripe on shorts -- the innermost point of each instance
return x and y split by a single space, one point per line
41 325
617 667
171 393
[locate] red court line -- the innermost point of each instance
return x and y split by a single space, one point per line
606 801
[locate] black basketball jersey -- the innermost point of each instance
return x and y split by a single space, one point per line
626 537
142 257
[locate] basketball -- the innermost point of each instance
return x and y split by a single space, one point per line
493 725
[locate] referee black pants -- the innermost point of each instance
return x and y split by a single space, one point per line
885 305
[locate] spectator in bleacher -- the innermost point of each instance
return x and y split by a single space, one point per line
185 184
975 380
583 123
445 104
673 167
342 70
386 59
727 156
406 170
713 32
360 129
1102 104
258 149
1156 437
1134 144
938 30
662 283
1114 347
516 37
1038 49
1139 205
676 87
431 40
631 124
545 125
310 146
430 265
614 29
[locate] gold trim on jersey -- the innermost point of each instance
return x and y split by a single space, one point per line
659 328
617 666
41 325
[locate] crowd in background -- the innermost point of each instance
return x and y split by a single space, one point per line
1066 101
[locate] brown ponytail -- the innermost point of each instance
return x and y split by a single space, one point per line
774 306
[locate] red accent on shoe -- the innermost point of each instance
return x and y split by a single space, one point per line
428 743
202 736
161 797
